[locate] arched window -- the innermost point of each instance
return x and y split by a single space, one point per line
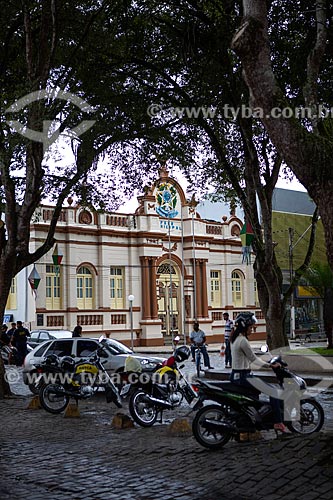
237 288
84 288
53 287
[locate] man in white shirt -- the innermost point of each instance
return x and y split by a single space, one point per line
198 338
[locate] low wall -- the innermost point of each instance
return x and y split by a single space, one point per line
309 363
300 362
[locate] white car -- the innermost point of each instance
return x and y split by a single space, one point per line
37 337
80 348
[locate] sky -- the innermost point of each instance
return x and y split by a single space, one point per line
294 185
65 156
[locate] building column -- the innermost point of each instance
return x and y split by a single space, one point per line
152 288
198 286
145 288
204 297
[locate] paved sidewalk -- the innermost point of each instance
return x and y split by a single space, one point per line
46 456
215 347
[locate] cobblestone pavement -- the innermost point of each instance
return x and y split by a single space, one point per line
46 456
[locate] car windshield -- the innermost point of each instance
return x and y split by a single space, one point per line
39 350
116 347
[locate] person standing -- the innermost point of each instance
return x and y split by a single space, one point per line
228 329
11 331
4 334
77 332
198 338
19 340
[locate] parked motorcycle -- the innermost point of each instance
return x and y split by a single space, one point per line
43 372
9 355
236 409
79 380
165 389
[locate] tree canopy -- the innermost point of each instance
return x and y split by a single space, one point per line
184 48
160 82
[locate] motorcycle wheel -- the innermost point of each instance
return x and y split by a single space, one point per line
50 401
212 438
311 418
34 388
142 411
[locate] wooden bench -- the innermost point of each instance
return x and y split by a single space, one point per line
307 336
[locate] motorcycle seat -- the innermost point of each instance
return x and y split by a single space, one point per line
238 389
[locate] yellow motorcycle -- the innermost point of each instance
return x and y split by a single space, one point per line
78 381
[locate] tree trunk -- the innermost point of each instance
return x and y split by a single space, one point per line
4 386
6 274
328 316
322 194
269 292
309 155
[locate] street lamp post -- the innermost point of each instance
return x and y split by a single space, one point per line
130 300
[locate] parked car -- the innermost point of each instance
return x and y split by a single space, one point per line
39 336
80 348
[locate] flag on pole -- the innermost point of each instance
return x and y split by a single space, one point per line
57 258
247 237
34 280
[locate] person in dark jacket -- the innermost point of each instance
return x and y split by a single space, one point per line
5 339
19 340
11 331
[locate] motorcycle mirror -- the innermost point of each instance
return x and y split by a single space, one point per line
264 348
102 337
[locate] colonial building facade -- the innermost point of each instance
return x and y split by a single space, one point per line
142 278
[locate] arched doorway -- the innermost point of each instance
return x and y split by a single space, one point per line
169 298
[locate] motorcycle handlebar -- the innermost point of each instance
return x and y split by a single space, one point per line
278 360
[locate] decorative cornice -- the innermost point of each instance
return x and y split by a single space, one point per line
172 249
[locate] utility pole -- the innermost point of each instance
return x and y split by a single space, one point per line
291 275
130 300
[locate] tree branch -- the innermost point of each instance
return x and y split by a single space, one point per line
314 61
297 146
